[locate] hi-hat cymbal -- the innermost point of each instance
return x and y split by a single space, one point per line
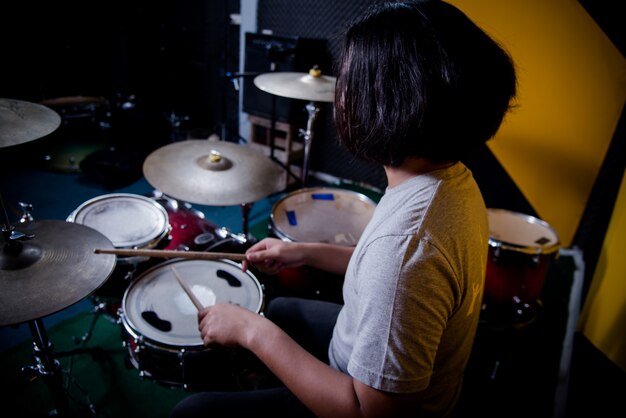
215 173
313 86
22 121
53 270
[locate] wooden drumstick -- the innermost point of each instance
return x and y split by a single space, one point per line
199 255
187 290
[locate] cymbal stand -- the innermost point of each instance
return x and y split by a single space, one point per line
245 216
48 367
312 110
277 54
10 235
273 141
245 213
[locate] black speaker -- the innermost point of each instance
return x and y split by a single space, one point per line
267 53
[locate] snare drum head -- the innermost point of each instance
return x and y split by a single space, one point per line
521 231
322 215
128 220
156 306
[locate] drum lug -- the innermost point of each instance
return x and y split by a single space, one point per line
496 252
534 260
138 344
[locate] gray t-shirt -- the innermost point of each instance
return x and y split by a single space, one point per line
413 289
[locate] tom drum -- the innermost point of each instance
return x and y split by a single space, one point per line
521 249
318 214
129 221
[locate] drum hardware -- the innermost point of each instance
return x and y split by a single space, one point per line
27 212
22 121
312 86
36 271
224 232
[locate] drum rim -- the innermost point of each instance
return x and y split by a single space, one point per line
532 250
137 334
285 236
150 243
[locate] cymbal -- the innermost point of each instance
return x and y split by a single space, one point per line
312 86
53 270
216 173
22 121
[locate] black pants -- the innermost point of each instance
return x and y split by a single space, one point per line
310 323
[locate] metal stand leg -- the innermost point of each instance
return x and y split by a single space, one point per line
48 367
312 110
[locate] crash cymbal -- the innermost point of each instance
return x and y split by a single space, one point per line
215 173
22 121
53 270
313 86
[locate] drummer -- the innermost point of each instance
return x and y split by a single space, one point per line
420 86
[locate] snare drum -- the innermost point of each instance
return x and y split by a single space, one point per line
521 249
129 221
160 322
325 215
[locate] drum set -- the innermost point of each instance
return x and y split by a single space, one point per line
111 248
102 249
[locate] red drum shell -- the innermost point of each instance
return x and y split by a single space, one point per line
521 250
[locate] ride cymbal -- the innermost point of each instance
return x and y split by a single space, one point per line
215 173
51 271
22 121
312 86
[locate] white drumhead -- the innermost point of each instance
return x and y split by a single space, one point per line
520 230
322 214
156 307
128 220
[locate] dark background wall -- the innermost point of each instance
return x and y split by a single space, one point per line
166 58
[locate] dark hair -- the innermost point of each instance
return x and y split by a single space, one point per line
419 78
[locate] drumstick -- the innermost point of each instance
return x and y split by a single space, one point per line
187 290
200 255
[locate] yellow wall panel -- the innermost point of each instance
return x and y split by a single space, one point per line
603 319
572 87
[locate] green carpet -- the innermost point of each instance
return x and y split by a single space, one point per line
98 378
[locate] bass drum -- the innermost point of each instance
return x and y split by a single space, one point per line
318 214
160 323
191 231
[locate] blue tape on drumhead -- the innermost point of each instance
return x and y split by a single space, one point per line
323 196
291 217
